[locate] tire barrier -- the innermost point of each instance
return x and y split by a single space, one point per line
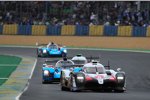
148 32
82 30
139 31
68 30
110 30
10 29
96 30
75 30
24 30
38 30
53 30
1 29
124 30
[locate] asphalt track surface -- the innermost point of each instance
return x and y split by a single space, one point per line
136 66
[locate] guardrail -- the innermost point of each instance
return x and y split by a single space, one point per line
75 30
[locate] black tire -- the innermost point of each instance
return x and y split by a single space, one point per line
43 82
38 53
63 88
107 90
63 54
119 90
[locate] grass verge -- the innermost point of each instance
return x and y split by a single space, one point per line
7 65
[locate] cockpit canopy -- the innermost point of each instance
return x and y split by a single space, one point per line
53 46
64 64
79 61
93 70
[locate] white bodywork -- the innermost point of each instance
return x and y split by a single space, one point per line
99 76
80 58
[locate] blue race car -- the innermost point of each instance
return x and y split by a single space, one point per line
52 73
52 50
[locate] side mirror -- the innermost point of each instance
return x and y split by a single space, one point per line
118 69
108 72
81 70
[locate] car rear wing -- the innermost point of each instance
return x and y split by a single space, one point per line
51 61
38 44
107 67
60 45
93 58
89 58
71 66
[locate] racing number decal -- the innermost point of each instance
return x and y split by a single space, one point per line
100 79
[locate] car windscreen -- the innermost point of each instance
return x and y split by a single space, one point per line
64 64
53 46
90 70
79 61
100 70
93 70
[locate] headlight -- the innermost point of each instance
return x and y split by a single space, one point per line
46 73
65 51
120 78
44 51
80 78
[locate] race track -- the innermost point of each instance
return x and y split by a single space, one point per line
136 66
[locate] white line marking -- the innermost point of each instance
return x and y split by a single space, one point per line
88 48
8 65
122 50
17 98
33 68
25 89
3 78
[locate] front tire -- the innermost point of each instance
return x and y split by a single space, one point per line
120 90
63 54
63 88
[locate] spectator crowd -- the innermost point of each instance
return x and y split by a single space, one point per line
73 13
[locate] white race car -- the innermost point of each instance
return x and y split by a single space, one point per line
93 76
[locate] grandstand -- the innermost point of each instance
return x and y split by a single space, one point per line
75 12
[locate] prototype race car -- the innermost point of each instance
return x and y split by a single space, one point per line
52 73
51 50
93 76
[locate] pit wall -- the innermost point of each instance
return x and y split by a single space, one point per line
75 30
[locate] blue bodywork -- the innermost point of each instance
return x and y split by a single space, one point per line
54 52
51 50
54 74
77 69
